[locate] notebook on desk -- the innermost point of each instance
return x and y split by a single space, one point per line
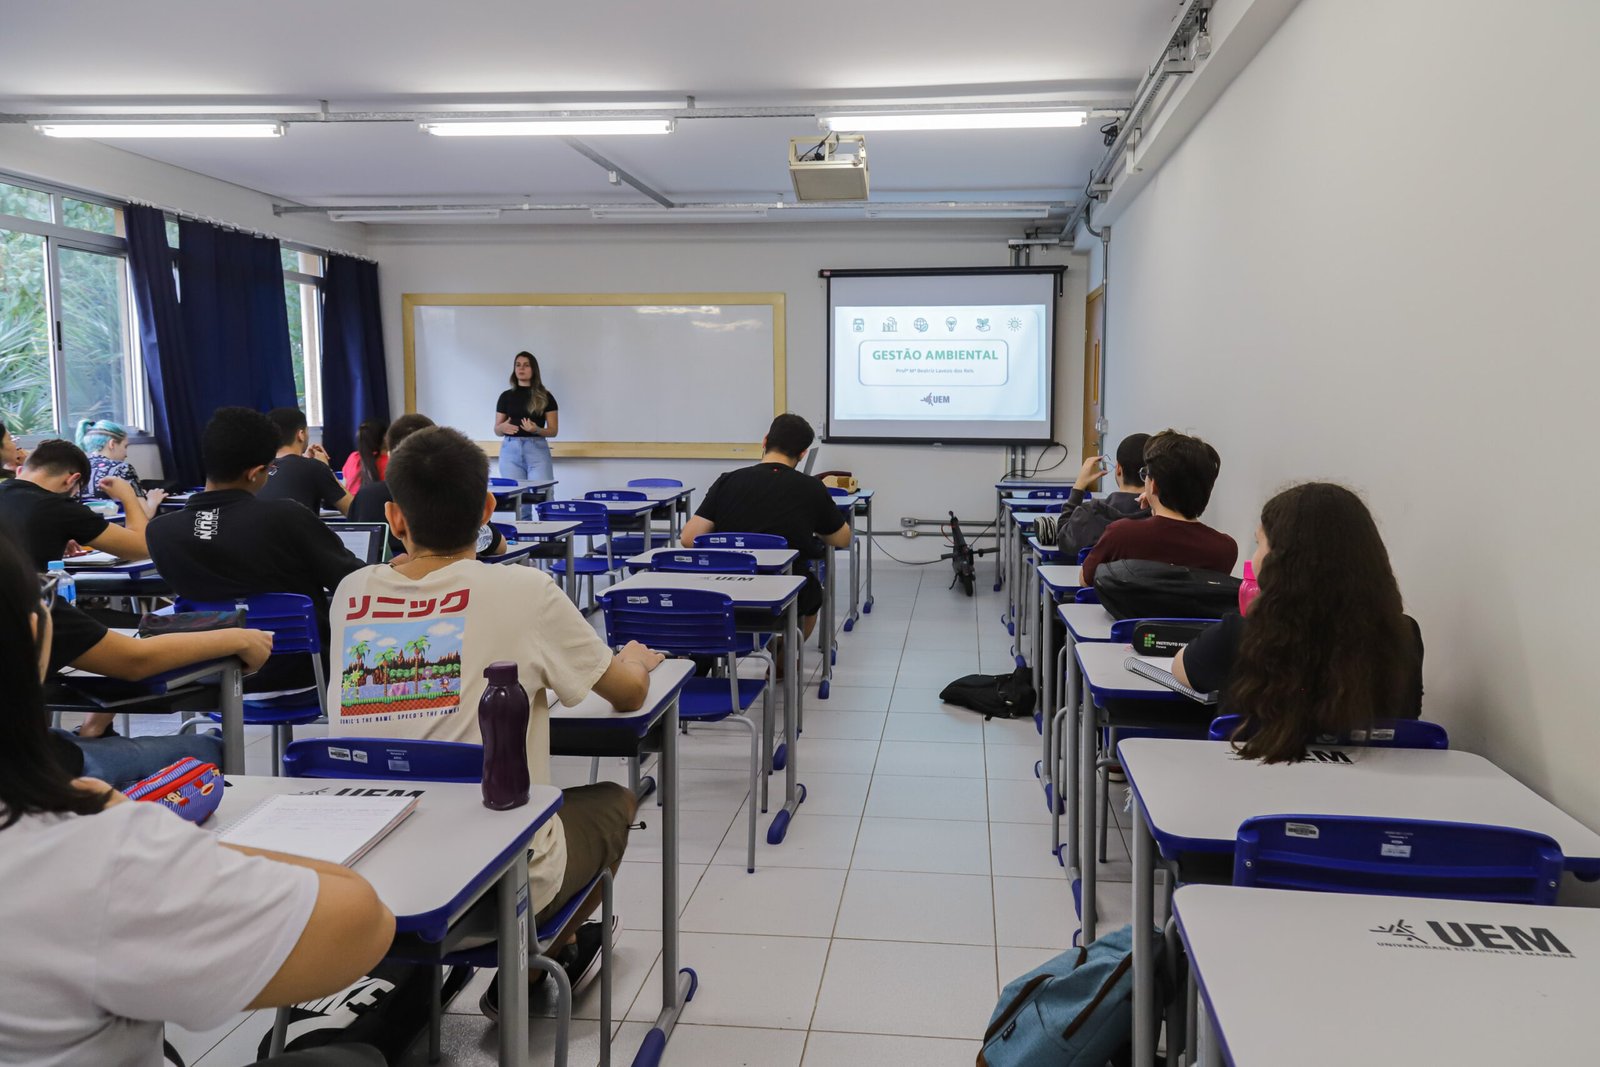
337 829
97 559
1159 670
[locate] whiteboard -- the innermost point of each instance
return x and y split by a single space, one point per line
635 374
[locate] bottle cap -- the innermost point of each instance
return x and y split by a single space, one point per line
56 565
503 672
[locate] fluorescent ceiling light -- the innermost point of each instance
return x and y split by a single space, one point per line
957 211
412 214
548 127
954 120
110 130
679 214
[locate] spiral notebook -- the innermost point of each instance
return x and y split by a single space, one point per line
1159 670
337 829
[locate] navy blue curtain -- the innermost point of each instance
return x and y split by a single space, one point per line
230 287
355 378
161 339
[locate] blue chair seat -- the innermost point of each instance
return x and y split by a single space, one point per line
633 544
706 699
583 565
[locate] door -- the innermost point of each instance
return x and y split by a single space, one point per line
1094 318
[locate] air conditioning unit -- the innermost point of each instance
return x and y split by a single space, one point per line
821 172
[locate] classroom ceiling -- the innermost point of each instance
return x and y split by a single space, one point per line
388 56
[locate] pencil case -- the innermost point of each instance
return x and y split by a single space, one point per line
188 787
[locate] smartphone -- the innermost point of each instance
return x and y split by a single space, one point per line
1106 464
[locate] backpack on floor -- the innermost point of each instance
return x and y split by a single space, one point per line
1074 1011
387 1009
1003 696
1143 589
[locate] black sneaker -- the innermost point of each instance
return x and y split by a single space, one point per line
489 1003
581 959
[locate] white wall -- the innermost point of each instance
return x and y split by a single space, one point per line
1372 262
920 481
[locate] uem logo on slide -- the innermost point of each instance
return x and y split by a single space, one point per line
1473 937
936 398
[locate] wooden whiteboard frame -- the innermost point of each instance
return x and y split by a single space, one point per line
409 302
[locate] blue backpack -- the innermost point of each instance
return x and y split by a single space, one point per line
1074 1011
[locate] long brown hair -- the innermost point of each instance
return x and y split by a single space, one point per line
541 395
1326 645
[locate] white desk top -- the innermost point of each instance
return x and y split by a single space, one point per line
772 591
661 494
1103 669
627 507
770 560
665 681
520 487
1052 551
1062 578
544 530
1016 505
846 502
437 861
1088 622
1326 979
1170 776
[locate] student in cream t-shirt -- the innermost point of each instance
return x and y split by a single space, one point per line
411 641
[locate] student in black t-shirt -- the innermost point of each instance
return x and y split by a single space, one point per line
301 471
773 497
1325 647
524 417
40 507
369 502
228 543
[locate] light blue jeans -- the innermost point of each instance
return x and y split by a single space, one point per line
527 459
122 761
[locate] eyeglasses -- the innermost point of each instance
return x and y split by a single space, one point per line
48 584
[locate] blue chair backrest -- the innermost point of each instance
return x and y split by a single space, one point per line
834 490
1049 494
505 530
496 480
594 519
616 494
656 483
387 759
680 621
1397 857
740 540
289 617
716 561
1083 554
1086 595
1384 733
1122 629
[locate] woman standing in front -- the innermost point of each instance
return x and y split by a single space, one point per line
525 416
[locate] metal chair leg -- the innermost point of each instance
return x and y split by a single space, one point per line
1105 790
436 1011
594 769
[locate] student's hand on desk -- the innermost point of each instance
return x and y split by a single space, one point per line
257 648
1090 473
643 655
96 786
74 549
320 454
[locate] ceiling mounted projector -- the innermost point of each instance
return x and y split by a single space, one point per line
820 171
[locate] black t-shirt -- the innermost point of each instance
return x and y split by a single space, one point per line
42 522
228 543
773 498
73 634
368 507
516 404
307 482
1208 661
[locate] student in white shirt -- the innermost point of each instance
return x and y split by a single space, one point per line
120 916
411 640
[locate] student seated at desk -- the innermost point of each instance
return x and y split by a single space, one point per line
106 444
11 454
1083 521
227 542
444 611
773 497
1325 647
367 463
1178 473
371 501
120 916
301 471
40 507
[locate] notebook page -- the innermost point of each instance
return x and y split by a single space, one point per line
332 828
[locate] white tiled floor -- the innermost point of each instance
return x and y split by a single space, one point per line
915 881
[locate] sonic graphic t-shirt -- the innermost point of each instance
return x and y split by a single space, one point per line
408 658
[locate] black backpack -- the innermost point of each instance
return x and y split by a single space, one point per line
1004 696
387 1010
1143 589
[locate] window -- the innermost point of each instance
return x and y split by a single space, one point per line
26 401
302 296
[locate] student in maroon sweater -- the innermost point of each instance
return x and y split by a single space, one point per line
1179 472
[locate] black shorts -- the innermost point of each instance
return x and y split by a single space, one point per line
810 596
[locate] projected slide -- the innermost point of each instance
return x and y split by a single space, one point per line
941 368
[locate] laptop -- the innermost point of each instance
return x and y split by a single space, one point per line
367 541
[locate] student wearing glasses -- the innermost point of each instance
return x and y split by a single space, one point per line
121 916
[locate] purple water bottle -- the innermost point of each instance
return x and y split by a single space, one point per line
503 722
